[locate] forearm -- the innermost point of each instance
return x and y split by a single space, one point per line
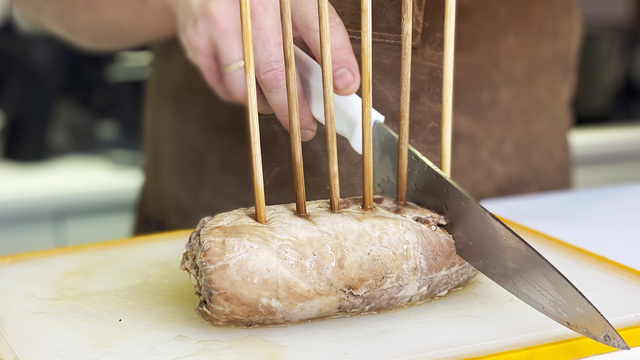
102 24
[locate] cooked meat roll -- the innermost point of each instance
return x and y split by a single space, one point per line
294 268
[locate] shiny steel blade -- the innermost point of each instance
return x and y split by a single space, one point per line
488 244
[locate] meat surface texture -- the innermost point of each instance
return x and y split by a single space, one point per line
294 268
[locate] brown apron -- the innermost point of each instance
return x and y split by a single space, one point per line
514 78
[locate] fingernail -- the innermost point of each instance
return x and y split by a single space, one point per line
342 78
306 135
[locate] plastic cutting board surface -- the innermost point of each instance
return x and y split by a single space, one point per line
128 300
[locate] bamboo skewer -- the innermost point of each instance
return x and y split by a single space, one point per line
447 84
292 99
367 150
405 96
329 113
252 105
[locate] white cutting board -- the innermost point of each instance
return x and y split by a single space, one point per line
129 300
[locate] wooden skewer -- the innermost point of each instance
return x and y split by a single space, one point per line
329 113
447 84
252 105
292 99
405 96
367 150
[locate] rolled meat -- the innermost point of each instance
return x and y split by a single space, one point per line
293 268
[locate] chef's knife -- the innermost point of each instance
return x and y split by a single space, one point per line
487 243
480 238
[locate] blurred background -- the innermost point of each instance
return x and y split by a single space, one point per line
71 165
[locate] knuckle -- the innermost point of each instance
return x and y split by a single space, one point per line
272 76
220 19
213 11
217 17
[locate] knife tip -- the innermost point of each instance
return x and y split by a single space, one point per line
615 341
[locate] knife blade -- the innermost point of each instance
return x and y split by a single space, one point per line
488 244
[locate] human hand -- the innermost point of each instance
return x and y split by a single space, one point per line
211 35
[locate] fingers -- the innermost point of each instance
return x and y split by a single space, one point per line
211 35
210 31
196 41
228 47
346 74
308 124
270 71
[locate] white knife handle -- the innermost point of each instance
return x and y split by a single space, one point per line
348 109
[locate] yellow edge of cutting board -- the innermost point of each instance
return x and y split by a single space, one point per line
578 347
565 349
569 349
94 246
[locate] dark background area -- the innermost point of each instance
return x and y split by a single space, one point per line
609 75
55 99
